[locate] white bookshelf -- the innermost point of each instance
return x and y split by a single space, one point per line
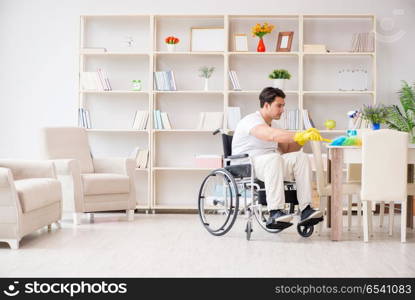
171 180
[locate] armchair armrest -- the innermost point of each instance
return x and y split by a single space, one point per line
10 206
22 169
118 165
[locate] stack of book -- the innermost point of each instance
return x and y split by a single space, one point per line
140 119
164 81
235 82
308 122
141 158
83 118
161 120
95 81
363 42
210 121
291 119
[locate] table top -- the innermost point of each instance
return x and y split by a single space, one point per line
410 146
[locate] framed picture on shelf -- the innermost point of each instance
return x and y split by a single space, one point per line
207 39
240 42
284 41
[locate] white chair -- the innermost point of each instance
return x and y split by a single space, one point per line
384 174
99 184
30 198
324 188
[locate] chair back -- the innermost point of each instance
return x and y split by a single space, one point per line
384 165
68 143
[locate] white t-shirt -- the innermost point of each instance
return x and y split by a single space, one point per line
244 142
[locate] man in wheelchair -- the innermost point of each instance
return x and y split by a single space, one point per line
276 157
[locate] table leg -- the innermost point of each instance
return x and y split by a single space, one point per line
336 199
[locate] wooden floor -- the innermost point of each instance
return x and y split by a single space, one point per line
178 245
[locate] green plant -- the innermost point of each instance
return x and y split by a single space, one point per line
376 114
280 74
405 120
206 72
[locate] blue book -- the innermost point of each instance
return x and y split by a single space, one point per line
155 119
159 122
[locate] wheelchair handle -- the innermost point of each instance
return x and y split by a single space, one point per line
223 131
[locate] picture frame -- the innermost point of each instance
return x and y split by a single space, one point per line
240 42
284 41
207 39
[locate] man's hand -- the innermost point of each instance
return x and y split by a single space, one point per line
311 134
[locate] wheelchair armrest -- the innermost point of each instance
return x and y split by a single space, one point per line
237 156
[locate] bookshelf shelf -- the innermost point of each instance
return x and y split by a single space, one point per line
339 53
189 92
117 130
115 92
338 92
178 147
115 53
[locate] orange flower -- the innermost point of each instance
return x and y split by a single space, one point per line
261 30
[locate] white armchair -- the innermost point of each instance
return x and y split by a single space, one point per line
30 198
99 184
384 173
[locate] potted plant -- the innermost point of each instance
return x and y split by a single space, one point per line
375 114
405 120
171 42
259 31
279 77
206 73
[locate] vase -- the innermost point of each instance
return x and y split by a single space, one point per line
278 83
261 46
171 47
206 84
375 126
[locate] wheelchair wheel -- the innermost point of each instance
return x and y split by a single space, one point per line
218 202
305 230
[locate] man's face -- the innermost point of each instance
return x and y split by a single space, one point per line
276 108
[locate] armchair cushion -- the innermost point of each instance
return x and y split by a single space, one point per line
36 193
105 183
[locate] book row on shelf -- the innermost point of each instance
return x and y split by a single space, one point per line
83 118
234 80
140 119
164 81
363 42
96 80
161 120
141 157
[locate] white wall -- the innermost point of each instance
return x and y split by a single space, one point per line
39 46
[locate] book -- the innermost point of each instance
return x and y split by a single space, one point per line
142 158
363 42
314 48
234 116
84 120
140 120
159 122
165 120
210 121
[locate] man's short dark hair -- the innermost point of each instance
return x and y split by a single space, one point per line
268 95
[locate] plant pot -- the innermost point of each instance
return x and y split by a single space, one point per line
278 83
261 46
375 126
206 84
171 47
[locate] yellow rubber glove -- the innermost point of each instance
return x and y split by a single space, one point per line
311 134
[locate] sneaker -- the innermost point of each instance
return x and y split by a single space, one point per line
278 216
310 213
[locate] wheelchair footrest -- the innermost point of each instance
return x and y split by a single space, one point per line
311 222
279 225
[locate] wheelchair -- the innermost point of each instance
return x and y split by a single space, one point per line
222 189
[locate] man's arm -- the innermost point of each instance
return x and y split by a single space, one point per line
266 133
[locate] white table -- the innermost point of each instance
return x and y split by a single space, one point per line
351 155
